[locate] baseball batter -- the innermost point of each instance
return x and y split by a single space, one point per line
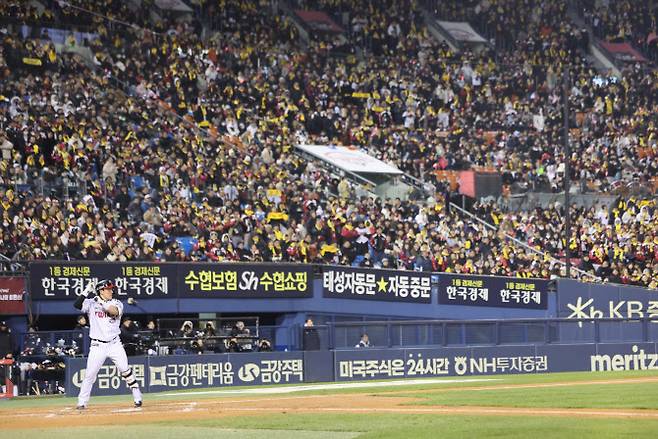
104 316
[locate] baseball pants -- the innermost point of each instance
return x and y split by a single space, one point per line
98 352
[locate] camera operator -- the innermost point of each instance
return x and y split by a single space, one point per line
240 338
238 329
209 334
187 330
150 338
209 331
197 345
264 345
130 336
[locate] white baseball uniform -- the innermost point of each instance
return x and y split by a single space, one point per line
104 333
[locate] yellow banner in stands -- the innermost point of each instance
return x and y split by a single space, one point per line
32 61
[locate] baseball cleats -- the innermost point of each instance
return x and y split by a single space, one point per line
81 407
138 404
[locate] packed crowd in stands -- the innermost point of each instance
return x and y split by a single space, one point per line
624 21
618 244
80 14
169 135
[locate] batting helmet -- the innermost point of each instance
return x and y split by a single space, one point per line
104 284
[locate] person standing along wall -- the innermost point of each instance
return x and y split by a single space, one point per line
311 336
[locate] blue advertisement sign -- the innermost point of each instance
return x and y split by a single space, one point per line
224 370
578 300
371 284
175 372
624 356
423 363
413 363
490 291
164 373
108 380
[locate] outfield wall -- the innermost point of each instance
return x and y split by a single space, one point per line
186 372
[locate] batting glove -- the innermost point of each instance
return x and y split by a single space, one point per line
90 290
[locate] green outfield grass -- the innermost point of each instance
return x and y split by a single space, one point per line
366 426
412 426
622 396
270 425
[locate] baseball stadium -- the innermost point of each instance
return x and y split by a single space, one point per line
328 218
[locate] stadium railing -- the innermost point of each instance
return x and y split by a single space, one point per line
388 334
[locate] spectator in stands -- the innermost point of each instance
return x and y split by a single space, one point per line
196 142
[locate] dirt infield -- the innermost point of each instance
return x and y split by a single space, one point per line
154 410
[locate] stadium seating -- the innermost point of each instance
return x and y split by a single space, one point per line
168 135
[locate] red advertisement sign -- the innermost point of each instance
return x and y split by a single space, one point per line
11 295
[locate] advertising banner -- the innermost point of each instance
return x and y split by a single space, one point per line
387 285
461 31
576 300
350 159
67 280
318 21
108 380
173 5
623 52
176 372
179 372
11 295
420 363
624 356
224 370
216 281
501 292
369 364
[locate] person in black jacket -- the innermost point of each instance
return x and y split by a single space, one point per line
6 349
6 342
82 322
311 336
122 201
129 336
